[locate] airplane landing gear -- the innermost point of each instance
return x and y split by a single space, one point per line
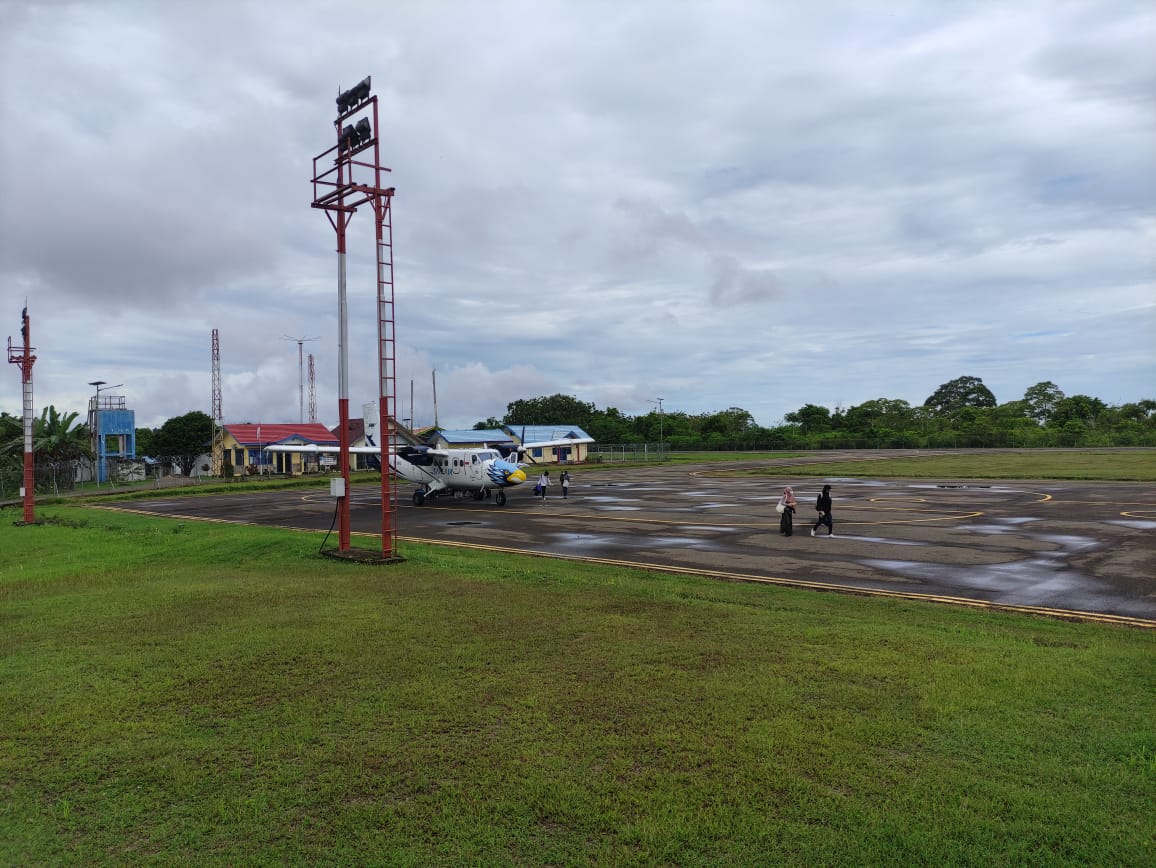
500 498
419 497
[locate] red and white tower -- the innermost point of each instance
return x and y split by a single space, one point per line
23 357
346 176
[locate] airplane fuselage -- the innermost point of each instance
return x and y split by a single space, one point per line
442 470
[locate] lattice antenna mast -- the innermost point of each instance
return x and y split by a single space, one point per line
218 417
312 392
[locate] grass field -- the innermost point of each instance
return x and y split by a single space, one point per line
1138 465
214 694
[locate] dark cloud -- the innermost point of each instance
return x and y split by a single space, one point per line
661 191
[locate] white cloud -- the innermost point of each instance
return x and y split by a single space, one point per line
734 204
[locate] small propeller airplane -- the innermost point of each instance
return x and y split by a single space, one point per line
439 472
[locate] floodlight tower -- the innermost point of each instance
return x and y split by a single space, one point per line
300 375
339 193
23 357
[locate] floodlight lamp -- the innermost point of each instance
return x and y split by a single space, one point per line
348 139
353 97
364 131
360 91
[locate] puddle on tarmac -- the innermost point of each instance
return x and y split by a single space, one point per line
1069 543
1135 524
1042 580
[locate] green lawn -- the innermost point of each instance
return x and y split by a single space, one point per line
1107 464
215 694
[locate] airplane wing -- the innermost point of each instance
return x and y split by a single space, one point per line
314 449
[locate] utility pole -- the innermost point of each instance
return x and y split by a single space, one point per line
300 375
660 448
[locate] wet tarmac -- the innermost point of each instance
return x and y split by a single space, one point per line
1082 547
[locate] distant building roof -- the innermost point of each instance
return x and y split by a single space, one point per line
491 436
547 433
356 430
267 433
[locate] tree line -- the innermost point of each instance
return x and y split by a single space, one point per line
960 413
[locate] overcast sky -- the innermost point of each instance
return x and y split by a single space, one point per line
755 204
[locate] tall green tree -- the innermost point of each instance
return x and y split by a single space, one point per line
1078 412
811 419
146 442
183 438
1042 400
552 410
880 413
961 392
610 426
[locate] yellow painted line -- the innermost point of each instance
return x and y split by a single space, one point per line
1066 614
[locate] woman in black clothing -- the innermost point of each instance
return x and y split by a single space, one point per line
786 522
823 505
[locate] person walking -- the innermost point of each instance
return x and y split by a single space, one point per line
543 484
565 480
823 506
787 518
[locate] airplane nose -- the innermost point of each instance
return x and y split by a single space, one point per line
516 477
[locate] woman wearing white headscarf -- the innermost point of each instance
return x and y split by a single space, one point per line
787 521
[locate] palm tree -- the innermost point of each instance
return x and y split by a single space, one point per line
58 447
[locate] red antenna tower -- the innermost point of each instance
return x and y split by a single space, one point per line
23 357
337 192
312 392
218 418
